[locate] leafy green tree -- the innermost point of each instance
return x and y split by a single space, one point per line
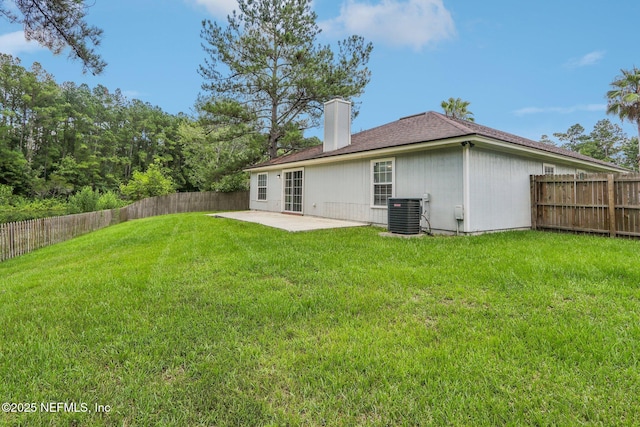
56 139
624 98
546 140
573 138
14 170
169 150
265 67
57 24
238 181
629 154
153 182
109 200
607 141
67 176
85 200
6 194
11 74
458 109
215 147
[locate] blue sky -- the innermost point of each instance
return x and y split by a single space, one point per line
528 68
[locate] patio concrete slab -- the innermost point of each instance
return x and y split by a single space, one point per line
287 222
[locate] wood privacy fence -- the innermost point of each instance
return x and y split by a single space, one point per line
591 203
18 238
185 202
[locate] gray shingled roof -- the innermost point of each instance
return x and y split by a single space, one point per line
420 128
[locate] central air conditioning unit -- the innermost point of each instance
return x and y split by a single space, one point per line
404 215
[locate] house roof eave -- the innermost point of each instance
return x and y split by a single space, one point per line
368 154
482 141
428 131
545 155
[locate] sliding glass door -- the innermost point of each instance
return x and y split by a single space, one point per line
293 191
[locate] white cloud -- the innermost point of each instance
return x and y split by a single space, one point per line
15 44
218 8
560 110
414 23
590 58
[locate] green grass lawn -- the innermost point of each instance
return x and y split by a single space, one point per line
190 320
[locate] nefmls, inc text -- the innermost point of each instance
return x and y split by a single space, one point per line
54 407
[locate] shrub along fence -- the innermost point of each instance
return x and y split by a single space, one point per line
592 203
18 238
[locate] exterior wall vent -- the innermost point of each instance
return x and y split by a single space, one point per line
404 215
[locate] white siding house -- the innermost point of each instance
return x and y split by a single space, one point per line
458 168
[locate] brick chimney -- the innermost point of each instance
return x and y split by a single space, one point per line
337 124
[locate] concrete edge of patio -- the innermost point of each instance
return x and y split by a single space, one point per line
292 223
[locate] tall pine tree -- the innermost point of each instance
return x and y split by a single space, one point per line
57 24
265 65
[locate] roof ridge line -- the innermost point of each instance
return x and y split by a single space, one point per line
453 122
413 115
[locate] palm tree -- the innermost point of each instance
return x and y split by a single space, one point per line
624 98
457 108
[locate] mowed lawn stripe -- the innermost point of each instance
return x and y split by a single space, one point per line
192 320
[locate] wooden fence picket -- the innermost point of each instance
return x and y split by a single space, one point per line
607 204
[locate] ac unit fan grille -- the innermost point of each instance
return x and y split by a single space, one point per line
404 215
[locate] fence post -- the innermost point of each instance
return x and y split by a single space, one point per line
534 202
12 242
612 205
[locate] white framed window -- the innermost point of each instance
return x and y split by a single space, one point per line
548 169
581 174
262 186
382 181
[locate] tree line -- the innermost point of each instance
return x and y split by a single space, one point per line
57 138
607 141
